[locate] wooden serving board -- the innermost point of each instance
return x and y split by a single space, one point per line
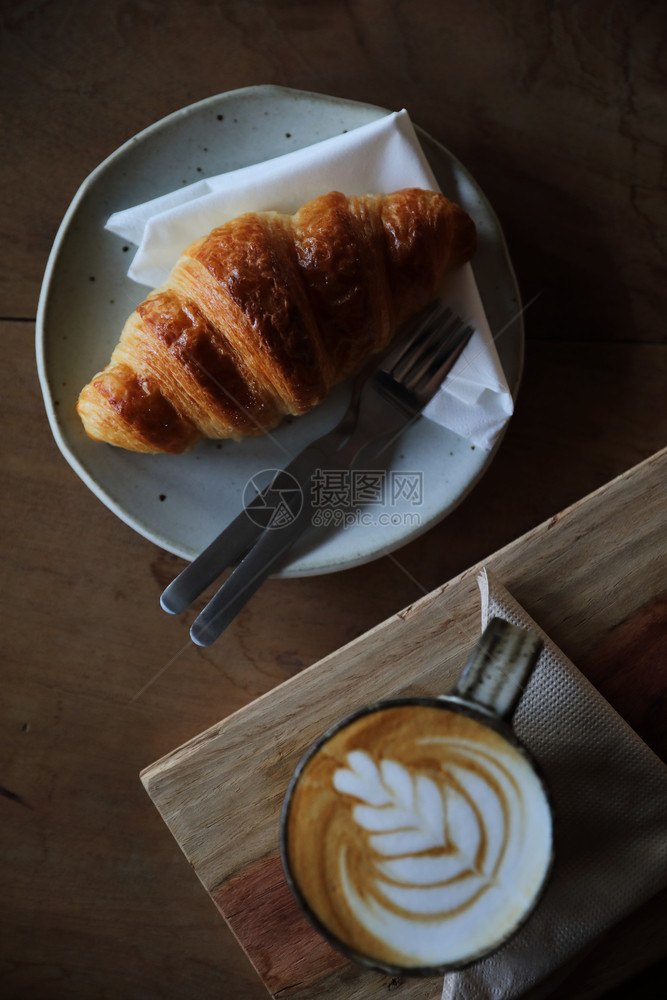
593 577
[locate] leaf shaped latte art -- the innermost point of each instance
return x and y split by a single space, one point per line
404 815
425 838
419 836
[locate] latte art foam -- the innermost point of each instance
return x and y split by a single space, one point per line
418 836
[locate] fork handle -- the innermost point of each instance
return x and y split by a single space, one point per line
247 577
272 546
233 542
238 537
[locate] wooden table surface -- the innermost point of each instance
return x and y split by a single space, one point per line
558 111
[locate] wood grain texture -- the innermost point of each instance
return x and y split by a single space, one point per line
557 110
293 954
594 571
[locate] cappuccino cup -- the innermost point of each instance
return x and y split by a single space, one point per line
417 834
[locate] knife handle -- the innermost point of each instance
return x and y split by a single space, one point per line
226 549
241 534
269 550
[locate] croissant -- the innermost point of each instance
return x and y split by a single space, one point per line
261 317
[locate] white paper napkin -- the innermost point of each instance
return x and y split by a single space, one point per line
382 156
610 797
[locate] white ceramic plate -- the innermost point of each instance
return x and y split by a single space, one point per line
182 502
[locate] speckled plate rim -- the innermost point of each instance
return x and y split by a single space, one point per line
340 549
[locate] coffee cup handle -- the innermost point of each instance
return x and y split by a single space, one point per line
498 669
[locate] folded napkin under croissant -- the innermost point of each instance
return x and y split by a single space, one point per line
610 801
382 156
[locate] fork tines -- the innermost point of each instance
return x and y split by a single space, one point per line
427 356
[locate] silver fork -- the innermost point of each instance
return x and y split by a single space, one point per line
387 397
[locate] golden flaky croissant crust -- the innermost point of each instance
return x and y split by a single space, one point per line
262 316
